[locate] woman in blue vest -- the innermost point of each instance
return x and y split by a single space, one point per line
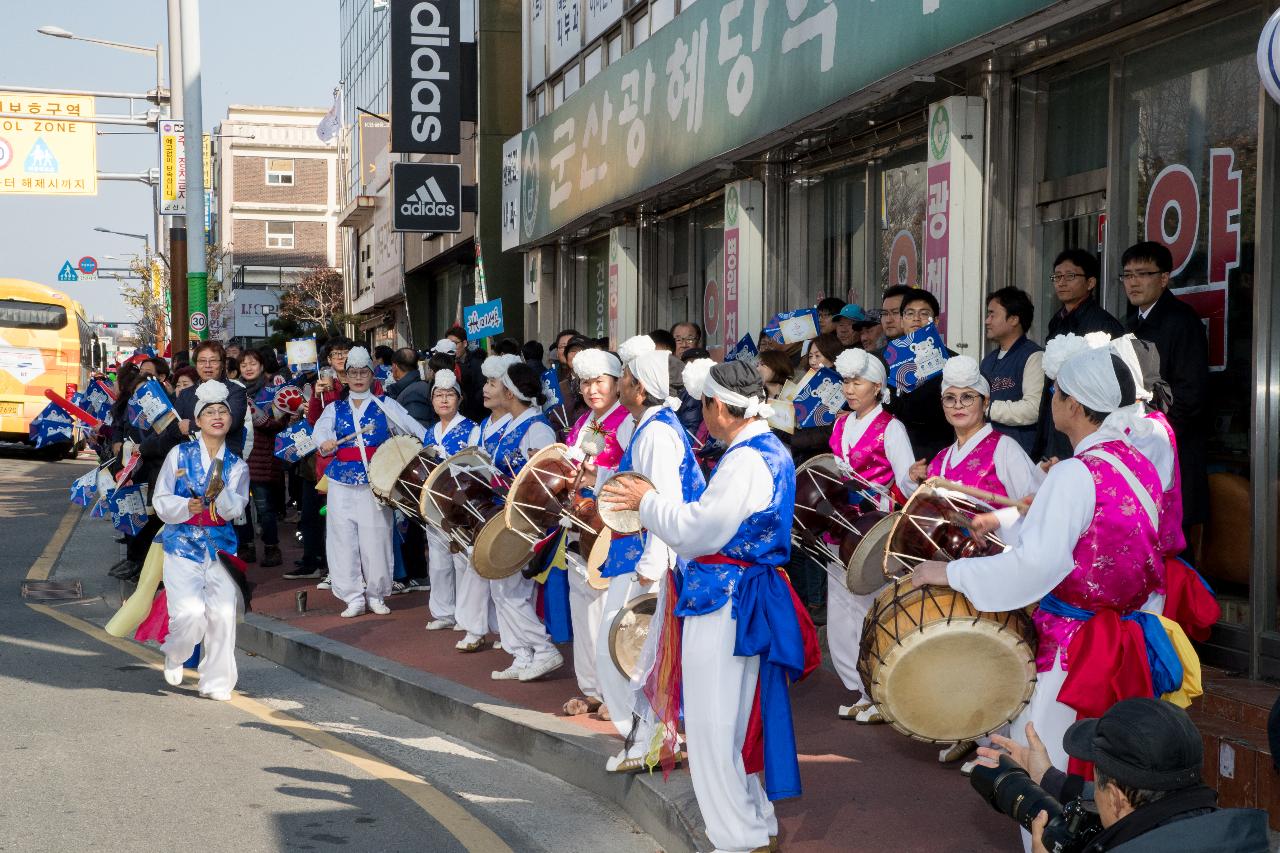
514 388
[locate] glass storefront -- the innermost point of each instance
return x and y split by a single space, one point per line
903 194
591 264
826 227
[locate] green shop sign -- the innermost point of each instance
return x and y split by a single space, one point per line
722 74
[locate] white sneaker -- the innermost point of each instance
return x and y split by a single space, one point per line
497 645
458 628
355 608
511 673
324 584
173 673
439 624
221 696
378 606
539 668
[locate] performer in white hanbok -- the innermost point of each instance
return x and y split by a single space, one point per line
449 435
642 563
514 388
1088 555
743 626
596 441
357 527
873 445
202 486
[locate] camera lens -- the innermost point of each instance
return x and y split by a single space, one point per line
1010 791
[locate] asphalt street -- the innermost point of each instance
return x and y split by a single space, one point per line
99 753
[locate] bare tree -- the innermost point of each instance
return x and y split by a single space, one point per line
316 300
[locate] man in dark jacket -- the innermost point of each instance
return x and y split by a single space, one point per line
1147 757
1178 334
408 387
1075 281
470 375
920 409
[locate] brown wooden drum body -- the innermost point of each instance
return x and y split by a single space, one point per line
940 670
406 495
467 492
934 525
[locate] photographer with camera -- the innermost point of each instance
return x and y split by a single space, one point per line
1147 794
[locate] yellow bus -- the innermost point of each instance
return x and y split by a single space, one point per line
45 342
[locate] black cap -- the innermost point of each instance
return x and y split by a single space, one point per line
1144 743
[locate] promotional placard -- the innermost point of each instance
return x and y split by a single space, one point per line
426 197
301 353
426 76
483 320
915 357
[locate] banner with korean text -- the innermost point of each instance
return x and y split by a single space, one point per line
42 152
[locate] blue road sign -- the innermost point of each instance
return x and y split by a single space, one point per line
88 265
68 272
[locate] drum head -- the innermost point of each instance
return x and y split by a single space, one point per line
934 525
626 522
499 552
470 457
864 572
390 459
540 492
598 556
629 631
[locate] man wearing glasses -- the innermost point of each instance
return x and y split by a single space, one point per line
1075 282
1178 334
688 336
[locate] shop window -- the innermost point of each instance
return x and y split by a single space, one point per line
557 94
593 283
279 235
1190 148
708 270
661 12
902 191
826 239
592 64
1078 107
572 80
615 48
639 29
279 172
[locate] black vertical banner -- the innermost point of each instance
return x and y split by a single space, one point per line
426 77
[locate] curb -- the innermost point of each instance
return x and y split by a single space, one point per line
667 811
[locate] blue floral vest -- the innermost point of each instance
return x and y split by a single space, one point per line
353 473
624 551
763 539
192 541
457 438
489 441
506 453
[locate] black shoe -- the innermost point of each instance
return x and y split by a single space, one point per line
271 556
125 569
304 573
120 540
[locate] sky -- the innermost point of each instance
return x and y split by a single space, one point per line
270 52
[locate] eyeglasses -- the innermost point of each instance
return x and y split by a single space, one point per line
1065 276
963 401
1130 275
918 314
208 362
689 340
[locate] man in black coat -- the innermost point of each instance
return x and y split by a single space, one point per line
1178 334
409 389
920 409
1075 282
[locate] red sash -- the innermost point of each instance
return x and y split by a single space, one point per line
206 519
352 454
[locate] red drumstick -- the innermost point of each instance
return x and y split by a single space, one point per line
71 408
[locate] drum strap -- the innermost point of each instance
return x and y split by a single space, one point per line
1144 497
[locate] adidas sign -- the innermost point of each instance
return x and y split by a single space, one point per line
427 197
429 200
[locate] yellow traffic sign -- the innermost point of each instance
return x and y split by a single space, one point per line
42 153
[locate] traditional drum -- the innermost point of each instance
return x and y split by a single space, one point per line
467 491
625 522
824 512
407 494
499 551
935 525
862 551
386 463
629 631
597 556
940 670
546 493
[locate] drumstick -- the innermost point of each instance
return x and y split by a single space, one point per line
980 494
364 429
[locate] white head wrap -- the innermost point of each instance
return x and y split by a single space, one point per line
445 381
753 406
1090 378
633 348
695 376
653 371
445 346
590 363
1097 340
208 393
859 364
961 371
1123 347
497 367
1058 350
359 357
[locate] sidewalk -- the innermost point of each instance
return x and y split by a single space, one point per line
865 787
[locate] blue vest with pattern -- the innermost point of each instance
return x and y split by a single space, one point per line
764 538
506 454
624 551
353 473
457 437
1005 377
490 441
192 541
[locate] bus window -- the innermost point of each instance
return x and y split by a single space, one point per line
31 315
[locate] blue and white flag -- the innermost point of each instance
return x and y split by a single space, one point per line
551 389
149 407
128 508
820 398
294 443
51 426
84 491
915 357
97 400
789 327
745 348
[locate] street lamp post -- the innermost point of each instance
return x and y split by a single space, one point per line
146 241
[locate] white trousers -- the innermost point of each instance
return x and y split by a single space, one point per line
358 543
521 631
445 571
719 690
846 614
202 609
474 611
586 611
1051 719
616 691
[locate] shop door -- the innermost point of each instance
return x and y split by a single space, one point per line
1074 223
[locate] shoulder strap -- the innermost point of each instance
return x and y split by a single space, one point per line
1144 497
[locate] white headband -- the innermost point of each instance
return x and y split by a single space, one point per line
1090 378
358 357
753 406
1123 347
209 393
653 371
961 371
695 376
497 367
633 348
445 381
591 363
855 363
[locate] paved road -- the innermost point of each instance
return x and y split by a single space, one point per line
97 752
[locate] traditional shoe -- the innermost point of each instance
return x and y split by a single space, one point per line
637 763
378 606
956 751
511 673
470 643
458 628
173 673
220 696
271 556
439 624
355 608
579 705
870 715
602 713
851 712
537 668
497 645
